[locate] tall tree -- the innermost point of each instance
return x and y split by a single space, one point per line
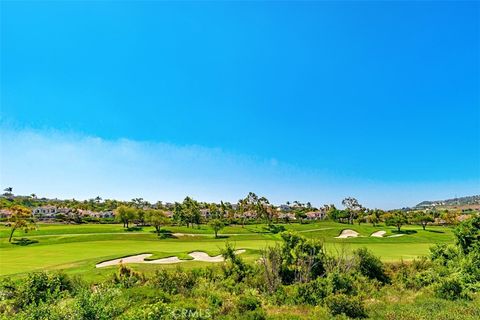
397 218
179 214
353 207
374 215
216 225
21 218
125 215
156 218
191 210
423 218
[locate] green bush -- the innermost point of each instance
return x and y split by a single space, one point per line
41 287
101 303
341 283
63 309
313 292
176 281
126 277
370 266
352 307
444 253
302 259
257 314
467 234
450 288
248 303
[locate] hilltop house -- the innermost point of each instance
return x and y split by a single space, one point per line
45 212
287 216
315 215
5 213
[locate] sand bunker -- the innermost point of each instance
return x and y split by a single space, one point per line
140 258
378 234
347 233
177 235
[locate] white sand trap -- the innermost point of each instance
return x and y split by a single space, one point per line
184 235
202 256
396 235
378 234
140 258
164 260
347 233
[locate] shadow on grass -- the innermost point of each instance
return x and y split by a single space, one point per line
434 231
136 228
23 241
222 237
164 234
404 231
274 228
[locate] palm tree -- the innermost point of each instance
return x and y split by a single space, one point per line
8 191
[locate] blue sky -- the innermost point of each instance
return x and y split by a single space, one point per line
296 101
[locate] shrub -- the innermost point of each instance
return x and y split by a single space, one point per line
467 234
257 314
235 268
127 277
370 266
248 303
100 303
176 281
41 286
302 259
63 309
450 288
7 289
313 292
347 305
443 253
341 283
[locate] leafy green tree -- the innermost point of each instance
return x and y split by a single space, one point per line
140 216
125 215
215 212
178 214
373 216
423 218
397 218
156 218
352 207
467 234
21 218
191 211
216 225
361 215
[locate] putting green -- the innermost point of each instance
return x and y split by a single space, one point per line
76 249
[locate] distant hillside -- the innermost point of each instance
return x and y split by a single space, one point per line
456 202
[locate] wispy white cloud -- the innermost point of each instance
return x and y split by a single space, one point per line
67 165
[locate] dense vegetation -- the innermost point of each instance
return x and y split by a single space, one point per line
297 278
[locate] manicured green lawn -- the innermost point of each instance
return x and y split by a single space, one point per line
77 248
